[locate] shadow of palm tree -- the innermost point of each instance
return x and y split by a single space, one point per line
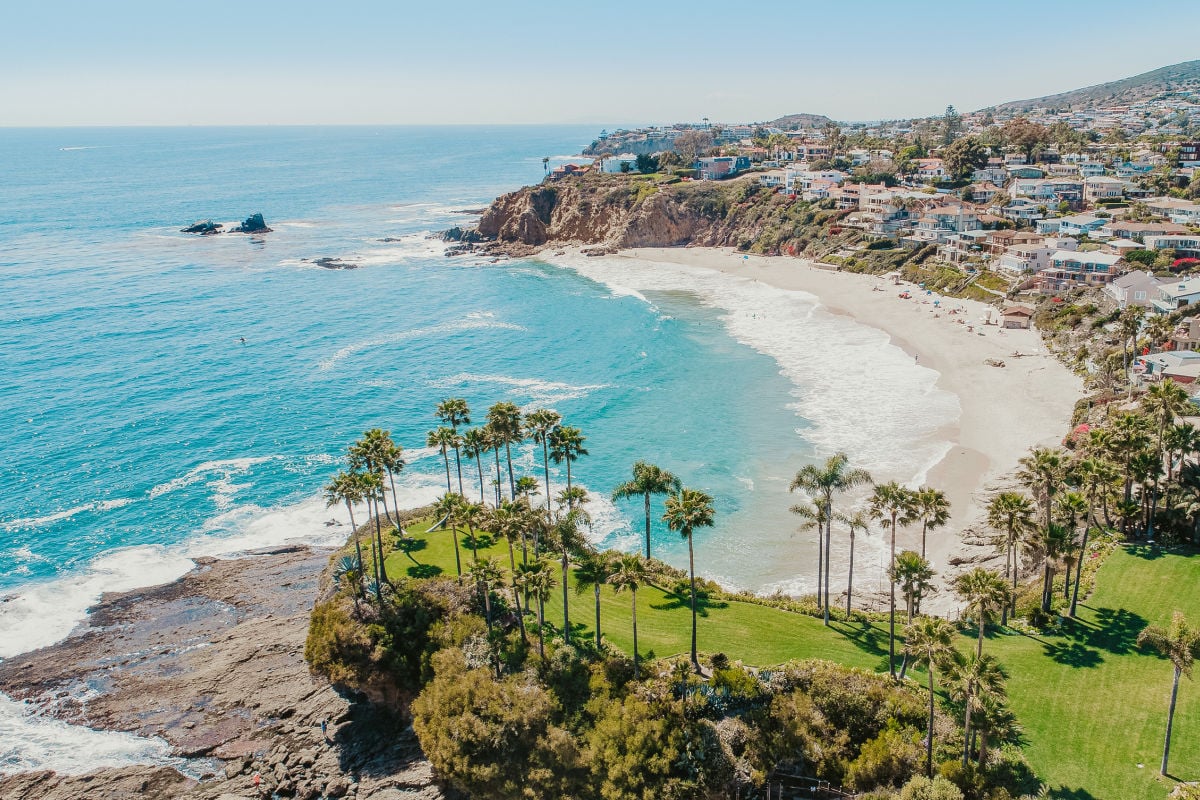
482 541
1149 552
1073 654
864 636
1115 631
424 571
676 601
1064 793
410 545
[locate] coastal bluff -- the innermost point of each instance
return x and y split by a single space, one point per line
213 663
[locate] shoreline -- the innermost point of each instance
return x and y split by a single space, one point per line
1003 411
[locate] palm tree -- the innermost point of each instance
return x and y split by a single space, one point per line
932 508
539 424
823 483
993 719
1127 437
648 479
913 574
929 642
454 411
493 444
446 509
688 509
1094 474
1181 644
971 677
474 445
569 540
1053 541
505 422
1072 506
443 439
475 516
537 579
526 487
813 516
373 492
346 487
376 452
1042 471
1011 513
630 572
487 576
572 497
1130 323
858 521
1180 441
566 445
985 593
1163 401
508 520
892 504
592 572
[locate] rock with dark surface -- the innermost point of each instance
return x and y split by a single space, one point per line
125 783
253 224
205 228
334 263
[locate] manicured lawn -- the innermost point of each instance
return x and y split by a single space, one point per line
1091 705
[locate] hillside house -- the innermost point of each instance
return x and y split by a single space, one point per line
1137 288
1069 269
1174 295
1185 246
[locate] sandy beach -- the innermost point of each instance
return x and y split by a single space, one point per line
1004 411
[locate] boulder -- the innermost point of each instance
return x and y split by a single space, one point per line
204 227
253 224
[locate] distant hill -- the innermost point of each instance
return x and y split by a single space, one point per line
794 122
1122 92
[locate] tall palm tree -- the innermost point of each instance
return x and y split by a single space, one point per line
1130 323
569 540
1011 513
1163 401
474 445
526 487
508 520
376 452
475 516
592 572
993 719
373 492
858 521
929 642
891 503
493 444
1053 541
1180 643
566 445
1180 441
970 677
538 424
1094 475
446 509
822 483
487 576
913 574
505 421
985 593
688 509
630 572
931 507
537 579
443 439
454 411
1072 507
346 487
1128 435
648 479
1042 472
813 516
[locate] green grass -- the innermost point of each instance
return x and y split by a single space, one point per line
1092 705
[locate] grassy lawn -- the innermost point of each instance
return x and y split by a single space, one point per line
1091 705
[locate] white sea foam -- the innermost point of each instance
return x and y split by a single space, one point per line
30 741
223 468
465 324
539 392
65 514
861 393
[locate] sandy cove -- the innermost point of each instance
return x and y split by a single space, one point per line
1005 411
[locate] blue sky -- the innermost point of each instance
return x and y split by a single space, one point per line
132 62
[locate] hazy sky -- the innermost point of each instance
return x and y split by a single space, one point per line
133 62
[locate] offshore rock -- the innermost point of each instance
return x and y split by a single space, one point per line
204 227
253 224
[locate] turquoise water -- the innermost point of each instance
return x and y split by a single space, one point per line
137 429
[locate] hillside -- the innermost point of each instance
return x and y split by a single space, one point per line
793 122
1121 92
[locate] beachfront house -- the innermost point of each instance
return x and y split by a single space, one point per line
1080 224
717 168
1023 211
1069 269
1138 231
1137 288
1016 316
1100 188
1184 246
1091 169
1169 364
626 162
1187 335
1182 212
1174 295
1029 257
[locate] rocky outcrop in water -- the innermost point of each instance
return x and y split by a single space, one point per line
253 224
214 664
205 227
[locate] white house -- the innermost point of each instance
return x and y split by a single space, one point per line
1174 295
1137 288
1184 246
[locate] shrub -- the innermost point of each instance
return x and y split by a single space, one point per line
890 759
921 788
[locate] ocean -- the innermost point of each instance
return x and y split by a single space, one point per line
138 430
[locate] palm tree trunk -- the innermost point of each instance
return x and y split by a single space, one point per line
512 483
358 594
979 644
967 733
479 466
541 628
635 647
983 743
692 575
850 576
647 497
457 557
498 484
383 578
820 566
446 459
929 738
924 529
520 614
546 468
596 588
1170 721
892 605
474 544
828 556
395 502
567 458
566 613
458 466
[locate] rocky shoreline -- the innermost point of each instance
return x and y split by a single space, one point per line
213 663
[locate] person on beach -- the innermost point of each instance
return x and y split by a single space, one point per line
324 729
